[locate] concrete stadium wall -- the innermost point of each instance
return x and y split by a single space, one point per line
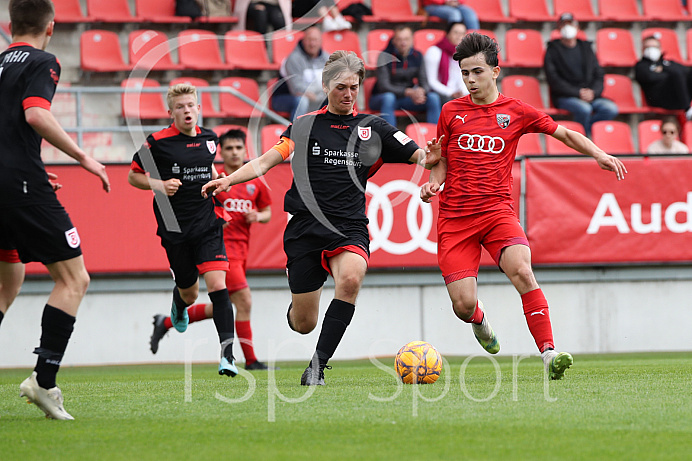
593 310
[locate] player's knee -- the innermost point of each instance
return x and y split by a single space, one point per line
303 325
349 284
189 295
464 308
80 283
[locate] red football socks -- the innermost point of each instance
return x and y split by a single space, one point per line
477 316
538 318
244 333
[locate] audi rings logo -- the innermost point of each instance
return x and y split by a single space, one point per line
478 143
380 232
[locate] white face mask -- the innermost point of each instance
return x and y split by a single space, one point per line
568 31
653 53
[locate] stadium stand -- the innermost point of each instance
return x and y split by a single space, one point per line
530 10
376 41
530 144
271 86
615 48
664 10
421 133
581 9
555 147
140 46
100 52
527 89
489 11
687 134
205 97
117 11
159 11
425 38
341 40
246 49
69 11
618 88
524 48
143 106
283 42
613 137
199 50
619 10
688 46
648 131
394 11
232 106
669 42
270 135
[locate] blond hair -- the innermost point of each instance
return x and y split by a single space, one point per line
179 90
342 61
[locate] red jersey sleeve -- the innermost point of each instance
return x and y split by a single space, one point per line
443 129
536 121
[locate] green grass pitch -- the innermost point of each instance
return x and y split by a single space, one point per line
628 406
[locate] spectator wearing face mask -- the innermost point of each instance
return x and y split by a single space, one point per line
666 84
575 77
669 142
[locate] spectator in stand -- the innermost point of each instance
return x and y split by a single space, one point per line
575 77
300 90
258 15
442 71
669 142
452 11
401 80
666 84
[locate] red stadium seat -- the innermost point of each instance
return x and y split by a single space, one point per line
619 10
69 11
100 52
615 48
249 142
618 88
489 10
524 48
528 89
199 50
529 10
283 43
377 40
146 106
688 45
206 100
613 137
110 11
158 11
231 105
649 131
421 133
149 49
581 9
555 147
270 135
246 49
425 38
530 144
395 11
687 134
664 10
487 32
669 42
341 40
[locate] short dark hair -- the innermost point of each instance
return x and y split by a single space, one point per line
475 43
30 17
233 133
450 25
650 37
399 27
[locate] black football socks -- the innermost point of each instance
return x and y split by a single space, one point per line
56 329
336 319
223 319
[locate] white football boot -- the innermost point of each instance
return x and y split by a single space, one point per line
48 400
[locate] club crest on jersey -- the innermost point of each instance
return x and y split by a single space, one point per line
211 145
250 188
72 238
502 120
364 132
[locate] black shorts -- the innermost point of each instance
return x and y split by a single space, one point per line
40 233
307 244
198 255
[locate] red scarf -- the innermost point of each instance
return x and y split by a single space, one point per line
447 51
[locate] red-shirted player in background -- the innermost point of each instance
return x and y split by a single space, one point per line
481 132
246 204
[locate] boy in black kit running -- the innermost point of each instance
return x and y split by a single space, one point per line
33 224
174 163
335 150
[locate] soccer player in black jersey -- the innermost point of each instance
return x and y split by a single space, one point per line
33 224
175 162
335 150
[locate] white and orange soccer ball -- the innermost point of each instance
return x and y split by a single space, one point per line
418 362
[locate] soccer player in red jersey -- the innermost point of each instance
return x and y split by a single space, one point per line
175 162
246 205
33 224
479 135
334 151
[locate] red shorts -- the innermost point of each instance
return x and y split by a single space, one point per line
235 275
9 256
459 241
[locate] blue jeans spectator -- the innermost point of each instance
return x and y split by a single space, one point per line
461 13
387 103
285 103
588 113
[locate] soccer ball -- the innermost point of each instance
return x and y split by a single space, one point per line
418 362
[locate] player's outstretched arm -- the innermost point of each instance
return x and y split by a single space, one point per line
584 145
438 175
430 155
251 170
49 129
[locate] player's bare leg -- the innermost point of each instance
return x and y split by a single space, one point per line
11 279
71 282
516 263
468 308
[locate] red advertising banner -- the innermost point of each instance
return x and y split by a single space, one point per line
577 213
